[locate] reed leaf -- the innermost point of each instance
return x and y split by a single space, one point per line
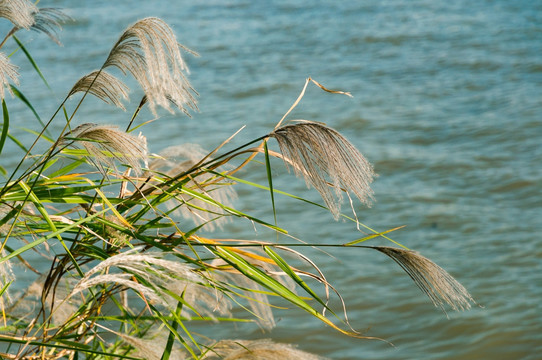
180 158
6 277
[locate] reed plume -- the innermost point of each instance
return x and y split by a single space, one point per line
159 280
152 348
7 71
19 12
49 21
177 159
154 271
104 86
55 300
6 277
264 349
24 14
327 161
149 51
97 139
433 280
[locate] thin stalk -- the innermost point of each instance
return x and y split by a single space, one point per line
8 35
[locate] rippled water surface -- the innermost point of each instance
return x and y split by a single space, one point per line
447 106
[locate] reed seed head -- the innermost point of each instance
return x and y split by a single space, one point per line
177 159
152 268
158 279
24 14
149 51
152 348
104 86
8 72
6 276
258 301
97 139
19 12
264 349
327 161
433 280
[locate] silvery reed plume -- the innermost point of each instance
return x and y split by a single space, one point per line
327 161
104 143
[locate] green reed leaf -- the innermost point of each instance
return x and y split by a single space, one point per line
29 57
5 126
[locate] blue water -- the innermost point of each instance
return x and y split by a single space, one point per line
447 106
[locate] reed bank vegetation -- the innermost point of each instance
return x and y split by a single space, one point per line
111 237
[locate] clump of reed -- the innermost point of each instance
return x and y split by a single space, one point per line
128 277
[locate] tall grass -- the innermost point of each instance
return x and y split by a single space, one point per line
127 275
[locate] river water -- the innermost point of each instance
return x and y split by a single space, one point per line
447 106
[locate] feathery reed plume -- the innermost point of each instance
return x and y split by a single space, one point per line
6 276
152 348
433 280
158 278
56 300
49 21
104 86
7 71
152 268
96 139
24 14
19 12
177 159
326 160
149 51
264 349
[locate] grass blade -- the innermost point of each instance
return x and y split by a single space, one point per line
270 179
5 126
23 98
171 338
29 57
